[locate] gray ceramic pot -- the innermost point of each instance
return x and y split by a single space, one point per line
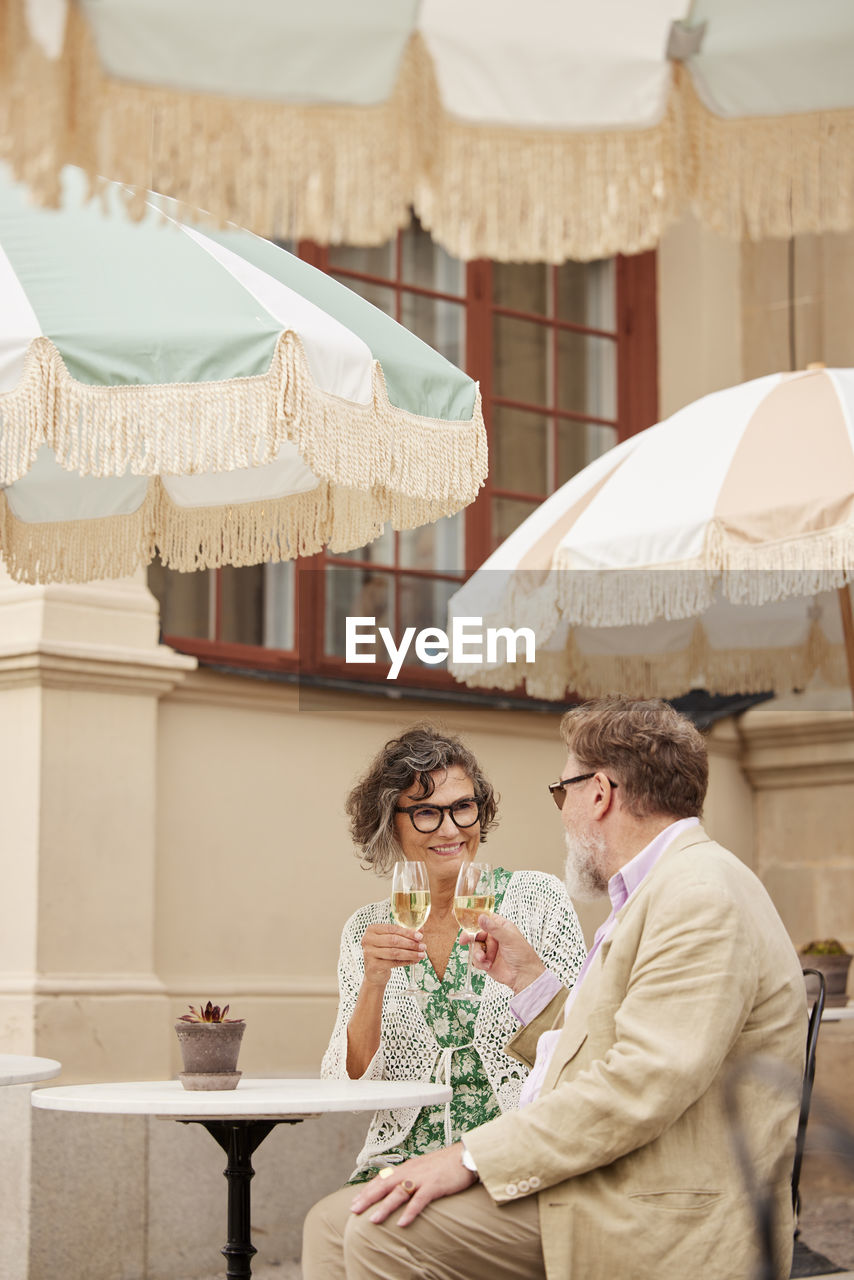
209 1051
835 970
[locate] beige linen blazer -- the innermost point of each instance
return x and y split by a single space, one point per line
628 1146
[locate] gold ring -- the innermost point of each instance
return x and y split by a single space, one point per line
408 1186
386 1172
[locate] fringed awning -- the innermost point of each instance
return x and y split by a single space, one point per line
542 134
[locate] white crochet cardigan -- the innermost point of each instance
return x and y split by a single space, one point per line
539 905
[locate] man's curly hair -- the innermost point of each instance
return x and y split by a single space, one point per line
657 756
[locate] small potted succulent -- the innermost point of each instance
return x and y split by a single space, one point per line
210 1044
830 958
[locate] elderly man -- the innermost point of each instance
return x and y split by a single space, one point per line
619 1162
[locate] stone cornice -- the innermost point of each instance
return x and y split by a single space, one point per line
222 689
111 595
791 747
185 989
216 689
230 988
723 741
105 669
80 984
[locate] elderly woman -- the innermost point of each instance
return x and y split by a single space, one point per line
425 798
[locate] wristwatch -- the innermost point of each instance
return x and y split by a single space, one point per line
468 1160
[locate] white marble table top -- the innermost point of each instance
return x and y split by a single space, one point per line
252 1099
17 1068
837 1013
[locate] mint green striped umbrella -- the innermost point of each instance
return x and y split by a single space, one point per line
208 396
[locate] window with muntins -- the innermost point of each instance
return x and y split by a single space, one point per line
566 361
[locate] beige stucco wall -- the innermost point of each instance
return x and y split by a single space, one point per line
252 777
255 870
172 834
797 301
699 315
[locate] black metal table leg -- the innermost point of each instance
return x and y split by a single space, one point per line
239 1139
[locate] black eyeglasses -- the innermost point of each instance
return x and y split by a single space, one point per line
558 789
428 817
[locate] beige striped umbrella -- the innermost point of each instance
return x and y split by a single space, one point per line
711 551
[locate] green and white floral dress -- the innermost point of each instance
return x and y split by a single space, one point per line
450 1041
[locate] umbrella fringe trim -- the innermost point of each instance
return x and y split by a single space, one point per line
285 170
769 176
202 537
513 193
557 674
191 428
347 174
754 576
270 531
427 458
78 550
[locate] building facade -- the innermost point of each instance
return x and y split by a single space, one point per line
174 825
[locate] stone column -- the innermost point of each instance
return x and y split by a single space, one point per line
81 672
798 753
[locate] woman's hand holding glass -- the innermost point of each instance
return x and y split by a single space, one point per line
410 905
386 947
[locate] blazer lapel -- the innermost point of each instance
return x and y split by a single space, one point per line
575 1027
574 1031
693 836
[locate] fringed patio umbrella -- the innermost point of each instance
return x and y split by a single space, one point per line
713 550
209 396
561 129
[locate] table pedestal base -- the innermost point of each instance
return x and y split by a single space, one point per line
239 1139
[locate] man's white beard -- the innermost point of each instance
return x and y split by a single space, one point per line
584 871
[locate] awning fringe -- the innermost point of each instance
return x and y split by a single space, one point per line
202 537
556 674
191 428
349 174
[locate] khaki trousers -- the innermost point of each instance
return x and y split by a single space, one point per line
462 1237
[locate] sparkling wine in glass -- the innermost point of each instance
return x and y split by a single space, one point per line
410 903
474 894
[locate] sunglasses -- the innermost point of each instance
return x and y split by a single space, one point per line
558 789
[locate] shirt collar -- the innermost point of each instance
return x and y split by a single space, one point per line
624 882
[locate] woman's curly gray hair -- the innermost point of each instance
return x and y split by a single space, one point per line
402 763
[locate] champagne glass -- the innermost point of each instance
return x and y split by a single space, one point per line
410 903
474 894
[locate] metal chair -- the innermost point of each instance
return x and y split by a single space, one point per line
806 1262
813 1027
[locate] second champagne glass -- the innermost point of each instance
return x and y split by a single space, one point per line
410 903
473 895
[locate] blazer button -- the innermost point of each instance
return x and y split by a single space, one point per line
511 1189
534 1182
524 1185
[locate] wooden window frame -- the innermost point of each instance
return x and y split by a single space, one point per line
637 407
